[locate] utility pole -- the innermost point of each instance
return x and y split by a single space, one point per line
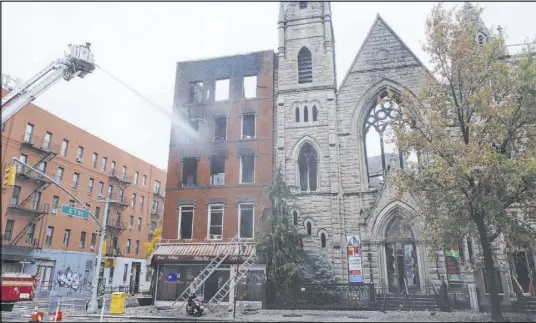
93 307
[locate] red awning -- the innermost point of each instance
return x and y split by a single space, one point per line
186 252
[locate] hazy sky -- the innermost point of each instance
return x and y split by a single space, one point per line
140 43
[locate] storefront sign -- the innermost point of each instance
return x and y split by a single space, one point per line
173 258
355 267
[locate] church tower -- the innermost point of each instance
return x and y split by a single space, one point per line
306 140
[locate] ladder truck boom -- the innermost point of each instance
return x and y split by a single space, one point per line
78 61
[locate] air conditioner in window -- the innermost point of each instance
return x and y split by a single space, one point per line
92 248
79 159
248 137
215 236
54 211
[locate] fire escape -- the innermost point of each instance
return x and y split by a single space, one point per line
118 203
31 204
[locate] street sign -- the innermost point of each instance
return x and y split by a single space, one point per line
72 211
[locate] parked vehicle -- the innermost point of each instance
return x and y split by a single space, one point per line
16 288
194 306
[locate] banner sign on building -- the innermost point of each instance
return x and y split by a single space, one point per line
355 267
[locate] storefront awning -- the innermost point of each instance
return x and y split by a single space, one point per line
186 252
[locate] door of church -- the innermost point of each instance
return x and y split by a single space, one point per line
401 259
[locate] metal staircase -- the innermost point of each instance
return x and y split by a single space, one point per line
22 232
209 269
231 283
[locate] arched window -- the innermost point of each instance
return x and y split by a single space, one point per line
322 240
305 114
297 114
308 167
295 217
309 228
305 66
315 113
381 149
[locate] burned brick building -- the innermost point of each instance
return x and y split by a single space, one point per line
217 178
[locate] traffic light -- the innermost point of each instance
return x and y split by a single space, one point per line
9 176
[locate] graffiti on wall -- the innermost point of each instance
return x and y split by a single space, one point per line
73 280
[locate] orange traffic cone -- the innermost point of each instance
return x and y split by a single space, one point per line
36 315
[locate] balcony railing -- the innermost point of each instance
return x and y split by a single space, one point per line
117 223
118 199
31 207
114 173
39 143
157 211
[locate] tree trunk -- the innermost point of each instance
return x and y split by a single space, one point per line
496 311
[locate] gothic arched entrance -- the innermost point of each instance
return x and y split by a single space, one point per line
401 257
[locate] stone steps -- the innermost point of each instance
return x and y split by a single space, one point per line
527 305
411 302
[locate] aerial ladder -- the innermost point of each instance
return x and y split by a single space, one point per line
78 61
198 281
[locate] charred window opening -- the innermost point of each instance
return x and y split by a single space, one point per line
305 66
222 90
315 113
248 126
250 87
186 222
196 92
189 172
308 166
305 114
247 168
220 128
246 220
297 114
217 169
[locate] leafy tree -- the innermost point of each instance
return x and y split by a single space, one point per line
473 126
279 244
321 269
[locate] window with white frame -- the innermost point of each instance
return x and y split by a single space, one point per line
64 147
215 224
131 222
136 175
247 169
80 154
144 180
48 139
250 87
246 222
222 90
90 185
186 221
55 201
76 178
94 160
248 126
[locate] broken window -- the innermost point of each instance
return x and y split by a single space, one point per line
215 221
189 172
246 220
217 169
380 141
315 113
186 222
308 166
305 114
220 128
222 90
248 126
247 169
196 92
305 66
297 114
250 87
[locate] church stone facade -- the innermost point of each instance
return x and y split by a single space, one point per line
320 148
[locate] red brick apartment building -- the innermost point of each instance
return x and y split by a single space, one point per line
216 184
37 232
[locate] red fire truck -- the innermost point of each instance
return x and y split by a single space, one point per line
16 288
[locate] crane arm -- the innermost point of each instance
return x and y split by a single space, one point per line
78 61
